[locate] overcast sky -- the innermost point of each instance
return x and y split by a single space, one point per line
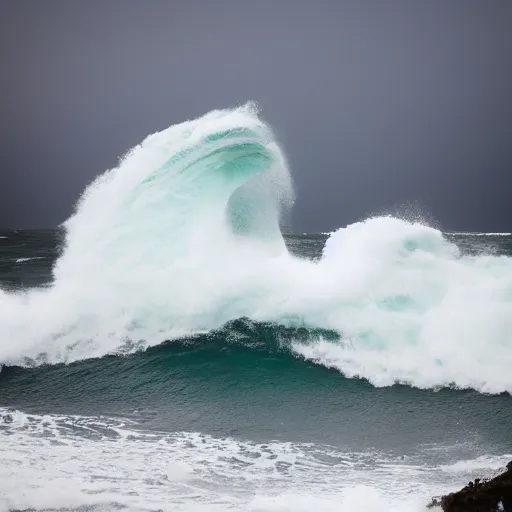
375 102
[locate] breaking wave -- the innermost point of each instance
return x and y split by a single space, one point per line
183 237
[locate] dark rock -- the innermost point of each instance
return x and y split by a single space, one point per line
488 495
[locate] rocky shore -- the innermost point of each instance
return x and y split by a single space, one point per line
481 495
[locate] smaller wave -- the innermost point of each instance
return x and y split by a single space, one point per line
480 464
23 260
464 233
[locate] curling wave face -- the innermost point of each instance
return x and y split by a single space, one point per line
183 236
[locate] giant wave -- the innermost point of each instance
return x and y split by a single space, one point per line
183 236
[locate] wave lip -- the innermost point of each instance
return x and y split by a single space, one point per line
171 194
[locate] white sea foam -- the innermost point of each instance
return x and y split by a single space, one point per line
183 236
481 464
59 462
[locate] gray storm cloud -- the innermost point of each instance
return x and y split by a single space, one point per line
375 103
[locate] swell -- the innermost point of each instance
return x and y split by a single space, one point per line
238 344
246 380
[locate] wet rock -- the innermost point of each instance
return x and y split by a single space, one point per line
488 495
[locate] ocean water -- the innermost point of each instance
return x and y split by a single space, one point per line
168 348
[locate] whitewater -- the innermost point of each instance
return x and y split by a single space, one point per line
184 236
87 463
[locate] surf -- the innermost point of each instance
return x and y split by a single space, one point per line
183 236
105 463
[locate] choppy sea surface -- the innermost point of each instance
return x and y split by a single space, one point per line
169 349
